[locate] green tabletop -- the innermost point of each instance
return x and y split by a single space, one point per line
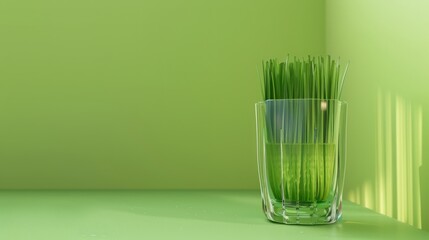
173 215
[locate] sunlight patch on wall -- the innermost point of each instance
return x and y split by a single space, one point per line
399 157
395 191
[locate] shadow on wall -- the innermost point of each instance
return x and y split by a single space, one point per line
396 189
424 193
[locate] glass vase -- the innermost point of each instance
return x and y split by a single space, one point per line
301 154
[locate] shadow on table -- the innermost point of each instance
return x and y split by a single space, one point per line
364 223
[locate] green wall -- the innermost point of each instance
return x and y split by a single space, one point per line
139 94
387 89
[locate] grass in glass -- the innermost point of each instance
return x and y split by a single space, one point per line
301 140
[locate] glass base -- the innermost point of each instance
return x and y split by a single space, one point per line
304 213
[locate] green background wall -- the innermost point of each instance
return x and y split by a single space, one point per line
387 43
139 94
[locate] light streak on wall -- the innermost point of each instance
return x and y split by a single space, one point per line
395 191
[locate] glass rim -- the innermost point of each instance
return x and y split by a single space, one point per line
300 99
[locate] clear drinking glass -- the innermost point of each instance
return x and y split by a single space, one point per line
301 151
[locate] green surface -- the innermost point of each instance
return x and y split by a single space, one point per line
128 215
387 91
139 94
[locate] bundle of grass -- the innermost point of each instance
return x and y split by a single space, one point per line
311 78
302 117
